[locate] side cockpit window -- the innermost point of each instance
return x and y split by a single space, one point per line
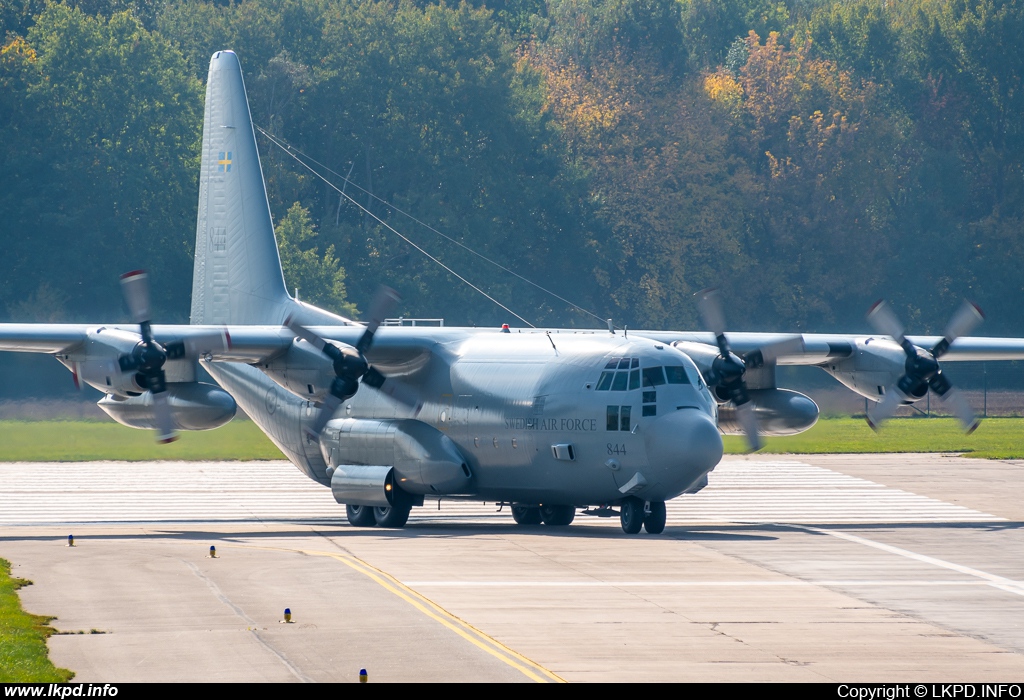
676 375
654 376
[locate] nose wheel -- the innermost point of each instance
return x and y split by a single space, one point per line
635 514
654 520
631 515
526 515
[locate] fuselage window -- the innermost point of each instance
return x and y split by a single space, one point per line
618 418
613 418
653 376
676 375
650 410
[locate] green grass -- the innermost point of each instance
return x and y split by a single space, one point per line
81 441
997 438
23 652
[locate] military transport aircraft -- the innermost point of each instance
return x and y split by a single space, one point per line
546 421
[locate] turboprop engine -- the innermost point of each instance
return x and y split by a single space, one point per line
778 412
368 459
193 406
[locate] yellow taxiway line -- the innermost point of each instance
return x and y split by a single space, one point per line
480 639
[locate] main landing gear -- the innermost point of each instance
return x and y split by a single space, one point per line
634 514
393 516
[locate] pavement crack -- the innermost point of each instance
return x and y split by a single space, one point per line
252 625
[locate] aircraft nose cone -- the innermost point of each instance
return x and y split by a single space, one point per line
683 445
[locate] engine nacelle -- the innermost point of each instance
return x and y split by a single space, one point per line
363 485
303 370
873 365
778 411
194 406
426 461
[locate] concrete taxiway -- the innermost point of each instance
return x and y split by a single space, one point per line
805 568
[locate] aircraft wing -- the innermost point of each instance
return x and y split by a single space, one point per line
819 347
50 338
247 344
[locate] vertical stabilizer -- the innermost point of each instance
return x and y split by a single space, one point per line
237 278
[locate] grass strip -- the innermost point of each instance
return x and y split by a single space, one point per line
23 654
85 441
81 441
996 438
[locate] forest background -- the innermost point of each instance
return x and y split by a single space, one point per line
806 156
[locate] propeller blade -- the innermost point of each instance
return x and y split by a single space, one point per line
400 392
383 302
884 409
164 419
966 319
709 304
747 418
198 345
883 320
135 287
327 408
771 352
962 410
304 333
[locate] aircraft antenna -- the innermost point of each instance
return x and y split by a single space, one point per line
280 143
392 229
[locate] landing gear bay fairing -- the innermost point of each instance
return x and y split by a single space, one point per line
546 421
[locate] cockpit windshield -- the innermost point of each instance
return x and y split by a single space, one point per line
624 374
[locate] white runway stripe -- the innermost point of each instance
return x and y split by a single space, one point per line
739 491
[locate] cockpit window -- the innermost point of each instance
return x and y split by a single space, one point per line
634 379
621 379
676 375
653 376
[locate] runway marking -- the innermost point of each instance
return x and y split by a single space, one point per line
692 584
480 639
739 491
1000 582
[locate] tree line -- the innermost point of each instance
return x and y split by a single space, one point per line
805 156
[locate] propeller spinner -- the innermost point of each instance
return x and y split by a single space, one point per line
350 364
728 369
922 371
148 357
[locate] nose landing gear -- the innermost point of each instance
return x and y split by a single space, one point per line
635 514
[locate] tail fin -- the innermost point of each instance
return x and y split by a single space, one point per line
237 277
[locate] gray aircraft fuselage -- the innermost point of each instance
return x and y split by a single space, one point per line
528 414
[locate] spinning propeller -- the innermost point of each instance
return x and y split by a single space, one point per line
727 370
350 364
921 370
148 357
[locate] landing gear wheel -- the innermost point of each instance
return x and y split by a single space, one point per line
654 522
526 515
631 514
360 516
394 515
558 516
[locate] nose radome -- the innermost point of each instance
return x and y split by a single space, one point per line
684 443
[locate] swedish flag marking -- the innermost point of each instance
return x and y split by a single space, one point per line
224 164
